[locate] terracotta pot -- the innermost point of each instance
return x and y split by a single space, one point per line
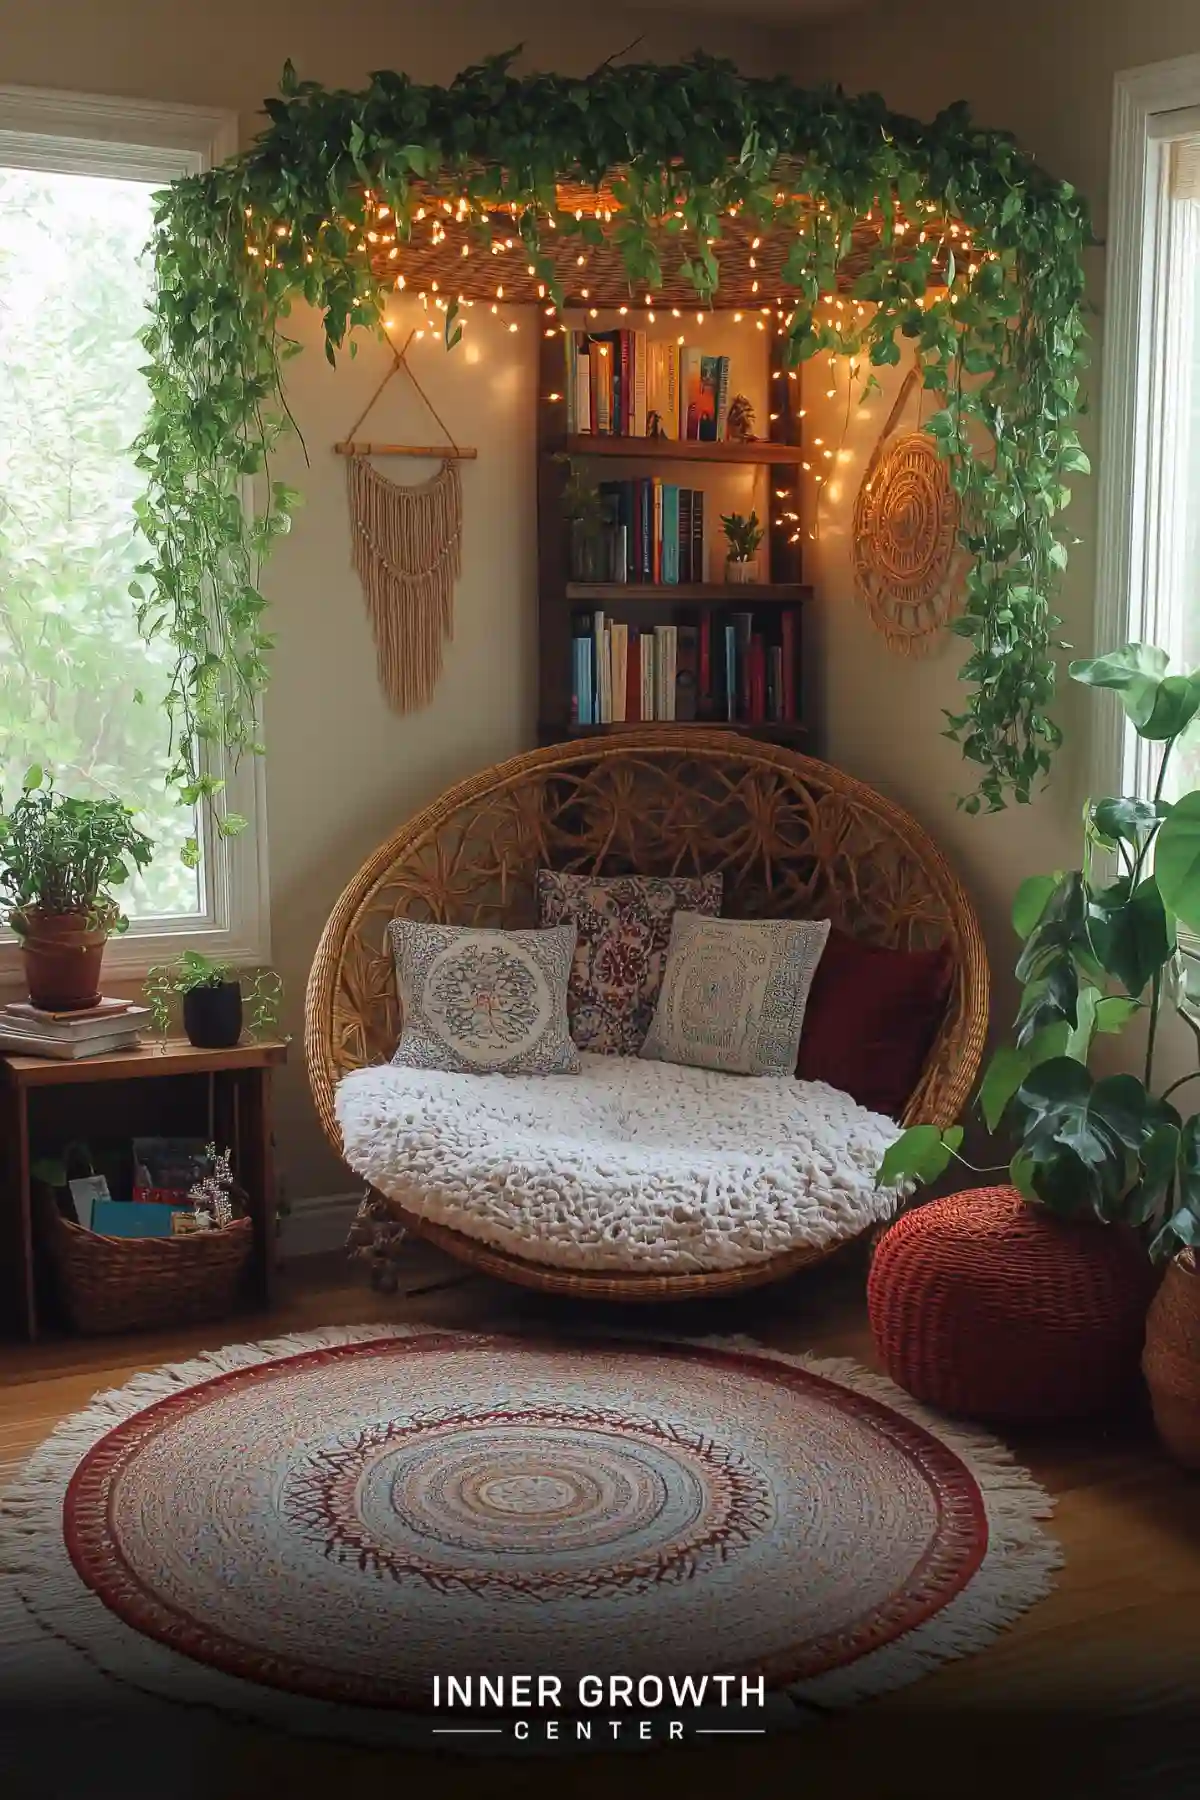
1171 1361
212 1016
63 955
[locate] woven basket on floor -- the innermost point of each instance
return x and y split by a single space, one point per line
1171 1362
133 1284
983 1305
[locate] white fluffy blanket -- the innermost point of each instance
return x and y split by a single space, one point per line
629 1165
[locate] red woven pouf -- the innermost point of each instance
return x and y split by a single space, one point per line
981 1304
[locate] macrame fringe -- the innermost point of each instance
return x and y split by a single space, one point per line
73 1638
407 545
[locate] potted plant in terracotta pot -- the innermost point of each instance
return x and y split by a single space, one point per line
58 859
214 1007
744 536
1101 949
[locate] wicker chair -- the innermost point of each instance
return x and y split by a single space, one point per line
792 837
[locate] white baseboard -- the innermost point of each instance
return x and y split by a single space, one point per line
318 1224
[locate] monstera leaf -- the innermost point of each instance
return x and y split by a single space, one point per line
1177 860
1158 705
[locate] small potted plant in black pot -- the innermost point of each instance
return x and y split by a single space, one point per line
213 1004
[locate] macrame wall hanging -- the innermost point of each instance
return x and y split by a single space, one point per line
407 549
908 564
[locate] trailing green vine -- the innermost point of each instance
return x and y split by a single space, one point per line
997 329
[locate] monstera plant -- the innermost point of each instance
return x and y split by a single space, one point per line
1102 945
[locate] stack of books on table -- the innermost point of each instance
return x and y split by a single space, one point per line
27 1030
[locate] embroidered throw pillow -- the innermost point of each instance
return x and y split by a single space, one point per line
485 1002
624 925
734 992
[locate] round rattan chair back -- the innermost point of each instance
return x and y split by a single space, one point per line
792 837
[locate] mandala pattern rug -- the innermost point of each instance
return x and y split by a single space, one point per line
306 1531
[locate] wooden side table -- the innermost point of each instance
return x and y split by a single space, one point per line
159 1089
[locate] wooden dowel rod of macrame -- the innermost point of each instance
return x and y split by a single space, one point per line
443 452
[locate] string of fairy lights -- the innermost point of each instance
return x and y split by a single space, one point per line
382 241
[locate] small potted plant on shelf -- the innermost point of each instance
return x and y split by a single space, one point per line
1101 947
58 859
214 1006
744 535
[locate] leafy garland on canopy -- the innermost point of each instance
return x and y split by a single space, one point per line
1000 341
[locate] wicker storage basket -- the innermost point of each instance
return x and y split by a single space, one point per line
1171 1361
133 1284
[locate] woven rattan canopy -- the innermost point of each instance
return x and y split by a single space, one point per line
456 253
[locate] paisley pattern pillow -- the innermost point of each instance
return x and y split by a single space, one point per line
479 1001
734 992
624 926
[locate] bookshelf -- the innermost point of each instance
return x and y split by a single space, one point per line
767 615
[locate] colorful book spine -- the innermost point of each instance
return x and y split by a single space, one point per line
684 547
689 393
648 648
583 391
624 371
704 688
656 530
756 665
723 400
775 683
669 417
633 676
743 625
638 389
687 673
731 675
698 570
787 626
618 676
670 534
706 399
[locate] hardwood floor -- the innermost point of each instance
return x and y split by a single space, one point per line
1095 1691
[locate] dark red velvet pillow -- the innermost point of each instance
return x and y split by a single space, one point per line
871 1019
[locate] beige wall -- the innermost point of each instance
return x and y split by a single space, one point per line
1043 69
343 772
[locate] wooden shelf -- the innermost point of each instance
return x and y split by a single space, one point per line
785 731
707 593
677 450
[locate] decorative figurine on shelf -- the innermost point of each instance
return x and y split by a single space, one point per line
739 426
213 1194
654 425
744 535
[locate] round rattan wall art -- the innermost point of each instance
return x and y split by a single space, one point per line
908 567
305 1532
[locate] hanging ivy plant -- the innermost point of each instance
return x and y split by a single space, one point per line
997 329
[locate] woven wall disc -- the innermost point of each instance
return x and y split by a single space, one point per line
907 565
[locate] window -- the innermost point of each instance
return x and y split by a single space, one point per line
1149 574
80 690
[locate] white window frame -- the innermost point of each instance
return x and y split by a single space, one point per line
137 140
1150 106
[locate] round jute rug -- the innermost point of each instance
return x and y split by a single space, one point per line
307 1531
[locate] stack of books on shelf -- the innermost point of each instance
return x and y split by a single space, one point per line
653 531
620 382
27 1030
738 667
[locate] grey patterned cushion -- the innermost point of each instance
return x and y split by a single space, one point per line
733 993
483 1001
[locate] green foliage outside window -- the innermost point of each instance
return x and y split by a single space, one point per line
81 692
